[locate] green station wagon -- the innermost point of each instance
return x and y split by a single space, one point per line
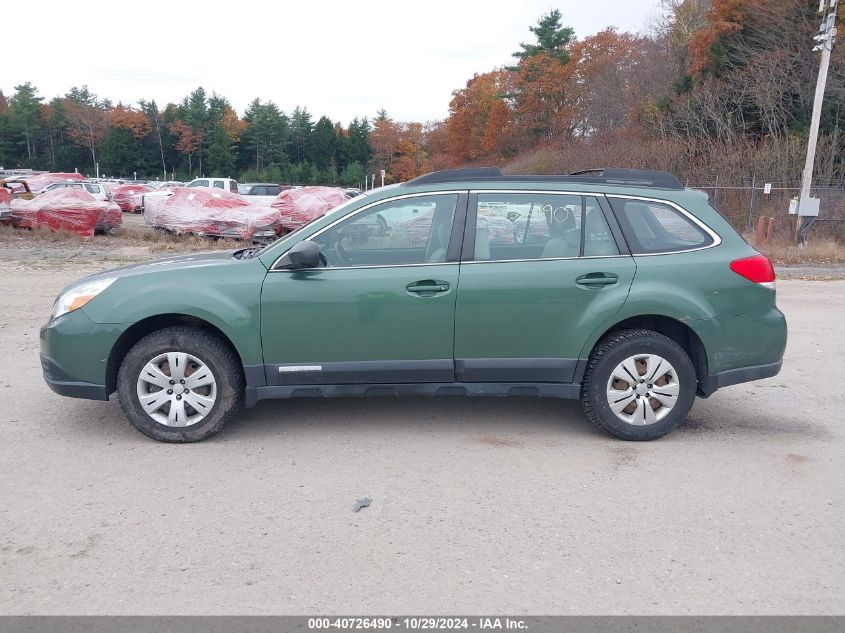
619 287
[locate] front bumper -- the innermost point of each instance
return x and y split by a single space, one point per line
65 385
75 353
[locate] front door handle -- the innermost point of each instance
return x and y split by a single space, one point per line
427 287
597 279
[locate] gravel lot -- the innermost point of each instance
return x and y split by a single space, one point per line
478 505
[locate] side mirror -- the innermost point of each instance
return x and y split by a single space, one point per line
305 254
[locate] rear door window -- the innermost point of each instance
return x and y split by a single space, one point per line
525 226
657 227
219 184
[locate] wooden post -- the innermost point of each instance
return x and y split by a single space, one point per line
760 232
770 230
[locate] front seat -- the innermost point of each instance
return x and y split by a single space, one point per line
440 243
565 239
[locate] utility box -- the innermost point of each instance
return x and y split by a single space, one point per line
809 206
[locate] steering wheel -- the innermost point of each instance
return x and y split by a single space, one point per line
338 253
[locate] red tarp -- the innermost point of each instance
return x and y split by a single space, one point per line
42 181
69 209
207 211
300 206
128 197
5 201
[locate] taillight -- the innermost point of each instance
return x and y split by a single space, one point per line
757 268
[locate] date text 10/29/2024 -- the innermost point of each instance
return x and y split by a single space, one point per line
417 623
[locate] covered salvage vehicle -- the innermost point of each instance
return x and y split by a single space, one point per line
40 182
299 206
206 211
68 209
130 197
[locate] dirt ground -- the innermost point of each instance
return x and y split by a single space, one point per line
478 505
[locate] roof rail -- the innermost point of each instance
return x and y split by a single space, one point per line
457 175
599 176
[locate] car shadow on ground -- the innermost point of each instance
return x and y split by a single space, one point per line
365 415
497 419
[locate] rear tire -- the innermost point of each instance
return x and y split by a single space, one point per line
639 385
207 364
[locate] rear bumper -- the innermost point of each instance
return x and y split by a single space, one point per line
737 376
65 385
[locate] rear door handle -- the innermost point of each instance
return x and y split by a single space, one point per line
427 287
597 279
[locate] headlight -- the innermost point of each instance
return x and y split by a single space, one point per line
78 296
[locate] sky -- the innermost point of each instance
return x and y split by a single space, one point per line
339 59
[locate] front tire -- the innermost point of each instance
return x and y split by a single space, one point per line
180 384
639 385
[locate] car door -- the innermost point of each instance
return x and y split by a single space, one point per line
381 309
534 288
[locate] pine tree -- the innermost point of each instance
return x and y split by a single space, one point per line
552 38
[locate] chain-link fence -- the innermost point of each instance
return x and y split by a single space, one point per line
743 204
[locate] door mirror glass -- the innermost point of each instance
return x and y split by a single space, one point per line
306 254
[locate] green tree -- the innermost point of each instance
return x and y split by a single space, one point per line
352 175
359 149
221 156
300 128
193 110
323 144
552 37
266 136
24 113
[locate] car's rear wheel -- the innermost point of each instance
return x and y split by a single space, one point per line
180 384
639 385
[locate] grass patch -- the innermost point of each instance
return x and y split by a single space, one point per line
156 241
816 251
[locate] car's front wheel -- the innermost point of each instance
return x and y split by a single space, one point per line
639 385
180 384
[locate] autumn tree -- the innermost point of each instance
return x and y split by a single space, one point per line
188 141
480 117
383 139
87 119
134 121
410 157
607 86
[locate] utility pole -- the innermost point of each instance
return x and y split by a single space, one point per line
808 206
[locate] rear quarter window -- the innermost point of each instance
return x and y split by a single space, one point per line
657 227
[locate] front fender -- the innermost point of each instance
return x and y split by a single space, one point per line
228 297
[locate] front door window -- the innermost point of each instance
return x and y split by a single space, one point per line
400 232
